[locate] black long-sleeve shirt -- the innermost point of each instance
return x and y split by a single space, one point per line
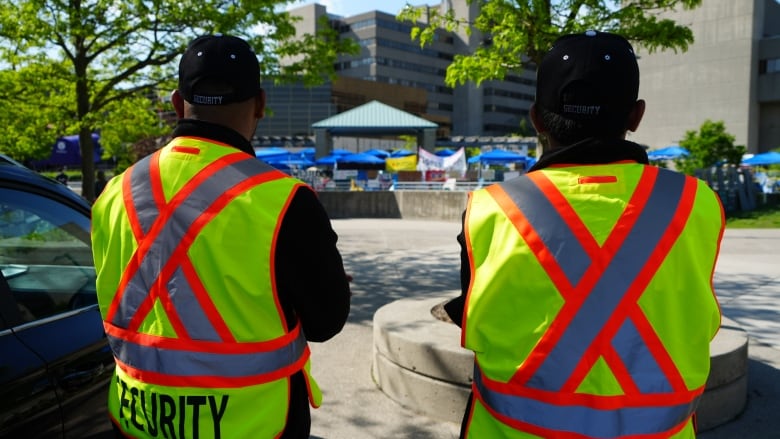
311 282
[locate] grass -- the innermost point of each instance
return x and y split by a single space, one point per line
765 217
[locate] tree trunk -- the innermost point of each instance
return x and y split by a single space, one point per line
87 164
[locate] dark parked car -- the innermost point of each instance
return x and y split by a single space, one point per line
55 363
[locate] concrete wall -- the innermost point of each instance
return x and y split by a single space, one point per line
427 205
423 205
712 80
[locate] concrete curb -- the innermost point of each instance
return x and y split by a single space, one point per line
418 362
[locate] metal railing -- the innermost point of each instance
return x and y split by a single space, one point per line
462 186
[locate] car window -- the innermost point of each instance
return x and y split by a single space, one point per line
45 254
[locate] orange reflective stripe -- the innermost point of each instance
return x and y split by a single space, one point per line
601 258
568 215
272 263
600 317
203 347
155 182
213 381
597 179
132 214
552 415
148 238
168 361
205 302
181 250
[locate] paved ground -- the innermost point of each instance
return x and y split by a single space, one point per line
394 259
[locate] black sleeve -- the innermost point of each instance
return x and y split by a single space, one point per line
310 277
454 307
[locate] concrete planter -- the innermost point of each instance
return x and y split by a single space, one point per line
418 362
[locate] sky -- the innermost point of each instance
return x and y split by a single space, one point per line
353 7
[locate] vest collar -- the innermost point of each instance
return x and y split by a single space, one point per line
593 152
211 131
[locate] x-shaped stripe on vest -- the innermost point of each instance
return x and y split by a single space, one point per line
164 231
600 318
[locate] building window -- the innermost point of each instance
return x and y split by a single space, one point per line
490 91
504 109
769 66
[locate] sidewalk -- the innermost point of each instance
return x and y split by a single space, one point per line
395 259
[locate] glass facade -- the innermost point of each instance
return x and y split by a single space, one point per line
292 109
387 55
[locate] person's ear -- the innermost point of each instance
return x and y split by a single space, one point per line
260 104
635 116
178 103
536 120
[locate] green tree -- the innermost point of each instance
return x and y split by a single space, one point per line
36 108
519 31
98 53
128 121
710 146
525 129
32 109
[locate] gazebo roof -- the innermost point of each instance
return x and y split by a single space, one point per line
374 117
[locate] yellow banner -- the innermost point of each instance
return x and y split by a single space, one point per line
408 163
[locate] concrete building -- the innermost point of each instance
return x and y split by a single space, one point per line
730 73
392 68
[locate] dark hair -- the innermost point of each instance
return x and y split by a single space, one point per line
568 131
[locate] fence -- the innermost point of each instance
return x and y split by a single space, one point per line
460 186
736 187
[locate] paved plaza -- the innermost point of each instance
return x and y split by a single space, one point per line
396 259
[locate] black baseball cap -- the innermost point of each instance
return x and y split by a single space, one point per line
588 76
227 60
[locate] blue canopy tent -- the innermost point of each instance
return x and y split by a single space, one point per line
763 159
288 157
310 152
66 151
381 153
401 153
668 153
359 161
290 163
266 153
328 160
498 157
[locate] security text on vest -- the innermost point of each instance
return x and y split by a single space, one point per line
168 416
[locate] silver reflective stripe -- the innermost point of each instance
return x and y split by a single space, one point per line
185 363
174 230
186 304
646 373
611 287
142 196
586 421
550 227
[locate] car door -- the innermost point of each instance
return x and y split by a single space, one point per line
56 363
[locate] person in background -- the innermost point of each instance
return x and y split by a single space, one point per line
62 177
215 270
100 182
587 283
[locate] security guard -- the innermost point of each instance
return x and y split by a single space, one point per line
587 283
214 269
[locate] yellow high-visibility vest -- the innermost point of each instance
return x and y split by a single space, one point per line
183 244
591 308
